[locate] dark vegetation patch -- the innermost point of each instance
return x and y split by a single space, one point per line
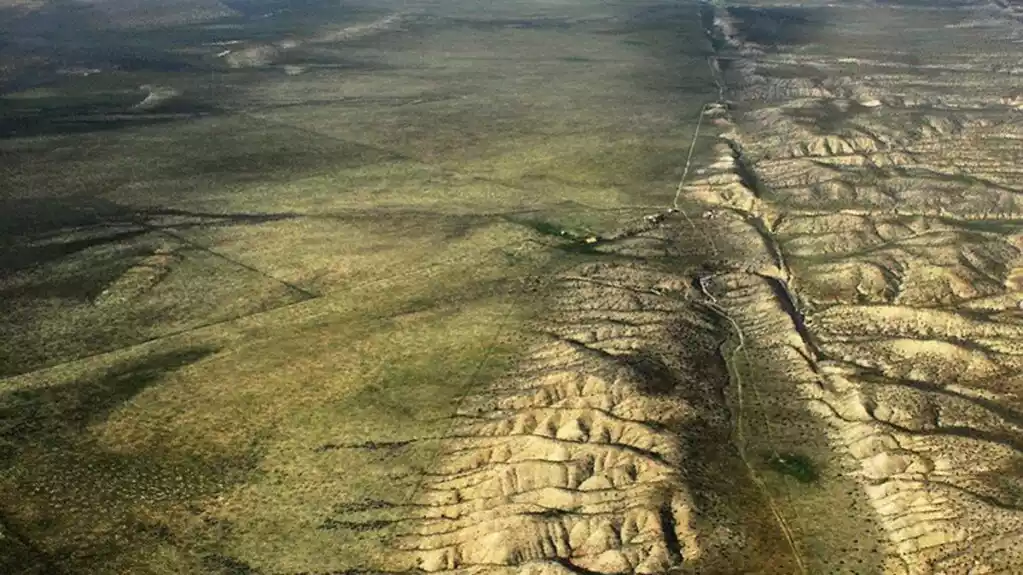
331 58
24 220
18 556
678 46
365 445
217 564
57 479
32 416
545 228
1006 484
928 4
794 465
58 255
67 36
67 122
268 21
798 72
37 232
514 23
825 117
364 505
779 26
356 526
155 61
654 376
997 226
551 513
217 153
22 257
291 11
90 113
699 369
569 239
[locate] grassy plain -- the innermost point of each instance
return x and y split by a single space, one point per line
235 320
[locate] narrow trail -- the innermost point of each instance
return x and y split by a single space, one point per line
689 156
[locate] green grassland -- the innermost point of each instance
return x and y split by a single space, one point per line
233 325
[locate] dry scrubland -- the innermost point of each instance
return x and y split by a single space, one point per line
236 320
368 295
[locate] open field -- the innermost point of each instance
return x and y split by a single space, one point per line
242 302
532 287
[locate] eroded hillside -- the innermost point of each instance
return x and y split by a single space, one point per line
861 246
877 151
